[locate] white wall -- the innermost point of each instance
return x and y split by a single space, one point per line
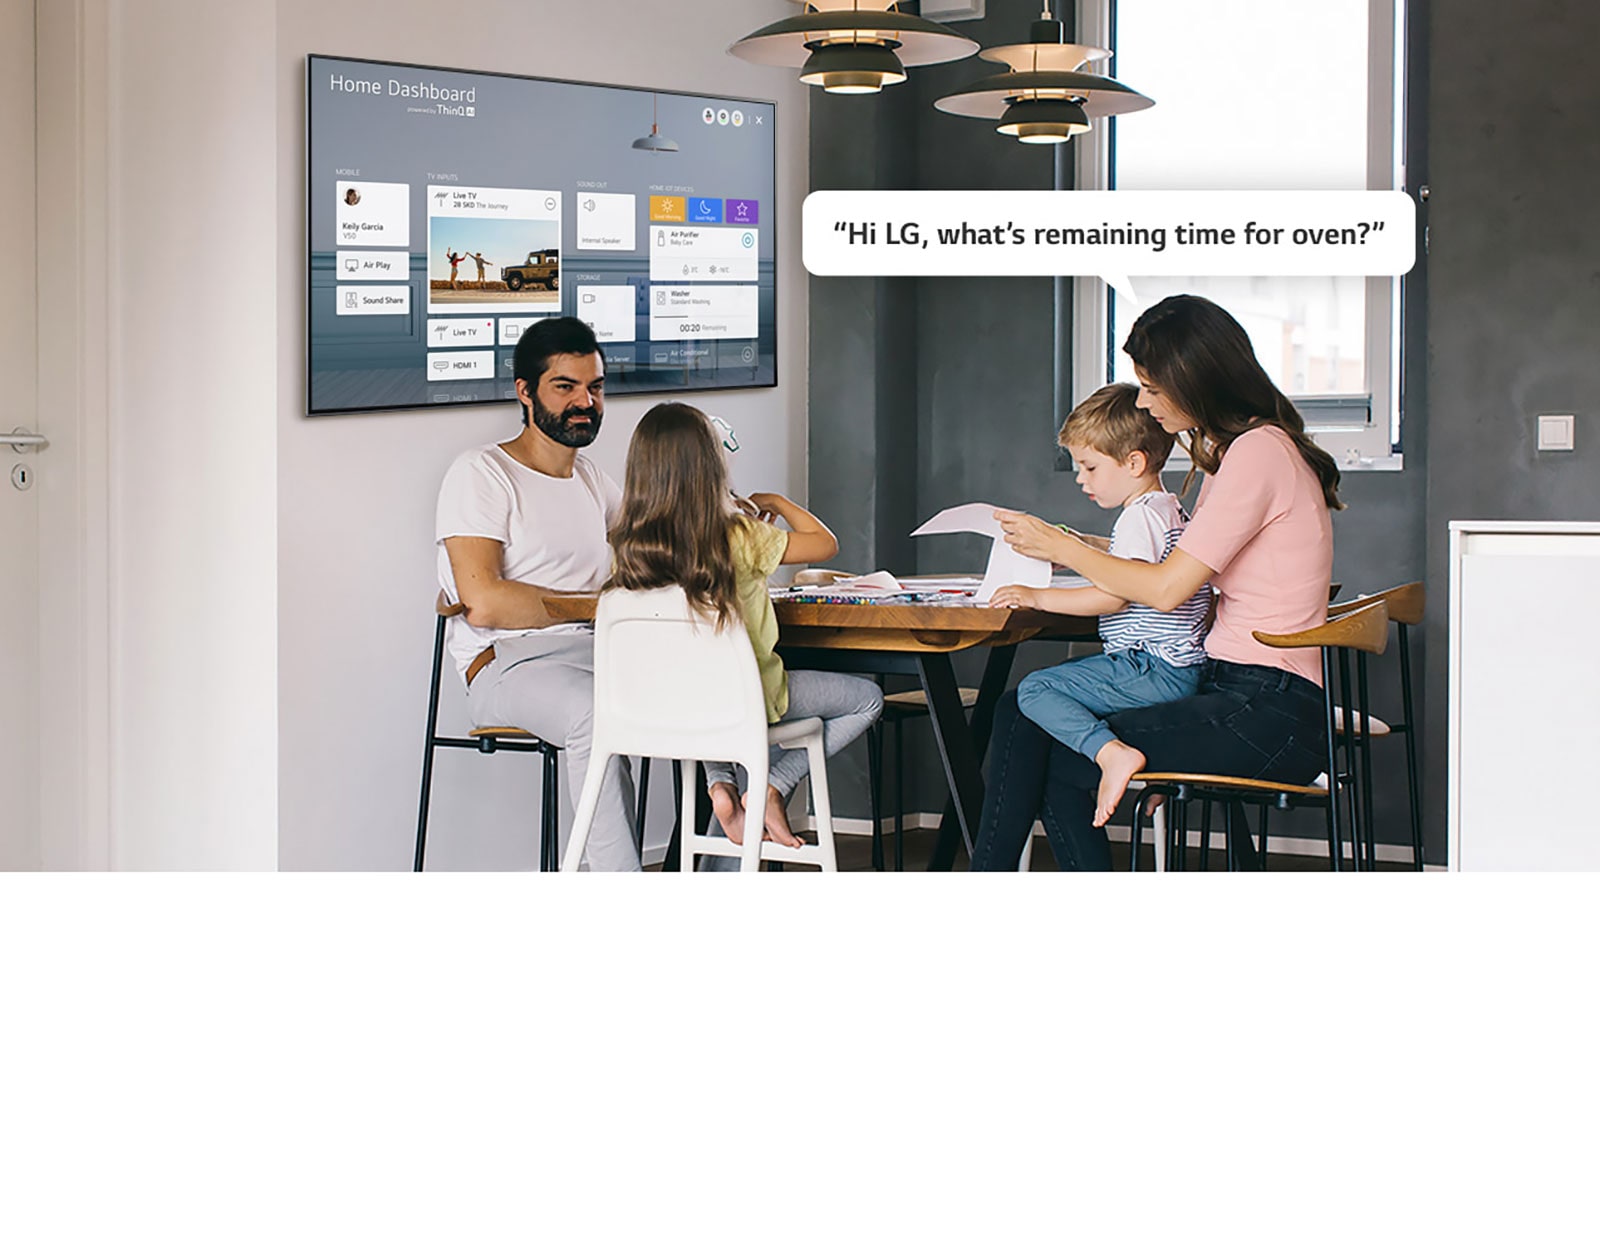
191 213
356 494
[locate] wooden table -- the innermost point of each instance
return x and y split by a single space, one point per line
912 640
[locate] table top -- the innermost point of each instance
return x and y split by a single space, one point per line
889 626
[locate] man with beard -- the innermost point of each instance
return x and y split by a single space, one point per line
521 520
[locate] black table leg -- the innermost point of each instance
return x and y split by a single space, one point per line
961 746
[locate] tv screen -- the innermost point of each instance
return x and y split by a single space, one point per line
449 210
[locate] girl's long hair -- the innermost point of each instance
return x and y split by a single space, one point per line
673 526
1202 359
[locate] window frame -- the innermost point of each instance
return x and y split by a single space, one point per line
1362 433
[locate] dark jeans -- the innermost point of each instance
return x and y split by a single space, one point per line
1246 720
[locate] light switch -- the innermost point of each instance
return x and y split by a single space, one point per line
1555 432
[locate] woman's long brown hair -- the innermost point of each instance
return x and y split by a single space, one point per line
673 527
1202 359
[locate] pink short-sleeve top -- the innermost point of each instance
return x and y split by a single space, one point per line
1263 525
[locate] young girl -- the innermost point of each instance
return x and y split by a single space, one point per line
678 526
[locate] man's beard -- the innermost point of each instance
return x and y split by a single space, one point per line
559 428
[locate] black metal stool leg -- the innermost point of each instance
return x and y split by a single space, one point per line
675 840
642 805
1412 788
1241 849
899 798
422 806
875 787
1335 834
550 814
1205 837
1136 840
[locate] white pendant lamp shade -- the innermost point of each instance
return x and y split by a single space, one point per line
853 46
1045 95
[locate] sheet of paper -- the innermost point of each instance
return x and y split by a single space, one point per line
1010 568
1005 567
927 584
968 518
881 580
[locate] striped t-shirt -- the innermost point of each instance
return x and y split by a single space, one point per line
1148 530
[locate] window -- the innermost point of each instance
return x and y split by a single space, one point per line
1274 95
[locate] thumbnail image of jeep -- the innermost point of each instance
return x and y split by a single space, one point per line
541 269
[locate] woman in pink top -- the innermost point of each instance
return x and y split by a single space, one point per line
1262 537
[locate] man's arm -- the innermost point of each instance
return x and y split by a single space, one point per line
488 599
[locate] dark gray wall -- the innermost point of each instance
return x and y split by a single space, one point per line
1514 281
1499 321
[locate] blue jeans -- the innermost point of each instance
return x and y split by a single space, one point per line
1070 701
1246 720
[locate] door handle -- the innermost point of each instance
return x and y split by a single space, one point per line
20 440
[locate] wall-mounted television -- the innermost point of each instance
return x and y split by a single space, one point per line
448 210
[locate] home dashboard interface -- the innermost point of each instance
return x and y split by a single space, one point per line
450 210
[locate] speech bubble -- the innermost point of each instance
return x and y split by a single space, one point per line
1114 235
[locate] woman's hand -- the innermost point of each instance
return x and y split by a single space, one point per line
1030 536
1015 597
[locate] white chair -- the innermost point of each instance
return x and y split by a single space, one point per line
668 683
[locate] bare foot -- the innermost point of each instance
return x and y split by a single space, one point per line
729 809
778 820
1118 763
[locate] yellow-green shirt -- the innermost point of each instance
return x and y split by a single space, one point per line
757 549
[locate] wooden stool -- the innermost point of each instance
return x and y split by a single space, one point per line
1362 632
1406 606
487 741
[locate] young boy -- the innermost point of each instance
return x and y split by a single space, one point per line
1149 657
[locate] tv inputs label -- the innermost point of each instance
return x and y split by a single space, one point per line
702 312
461 332
447 366
371 301
373 214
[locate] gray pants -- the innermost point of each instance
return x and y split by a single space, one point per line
544 683
847 706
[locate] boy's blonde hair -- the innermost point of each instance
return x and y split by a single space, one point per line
1111 422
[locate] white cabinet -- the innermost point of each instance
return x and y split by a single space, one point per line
1524 787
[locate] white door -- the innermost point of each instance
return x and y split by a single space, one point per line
19 508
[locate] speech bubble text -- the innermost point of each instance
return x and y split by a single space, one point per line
1116 235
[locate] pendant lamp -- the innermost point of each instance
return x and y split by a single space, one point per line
1044 96
853 47
655 141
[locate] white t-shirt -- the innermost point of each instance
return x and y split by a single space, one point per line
553 530
1148 530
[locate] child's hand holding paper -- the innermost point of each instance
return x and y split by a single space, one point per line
1006 566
